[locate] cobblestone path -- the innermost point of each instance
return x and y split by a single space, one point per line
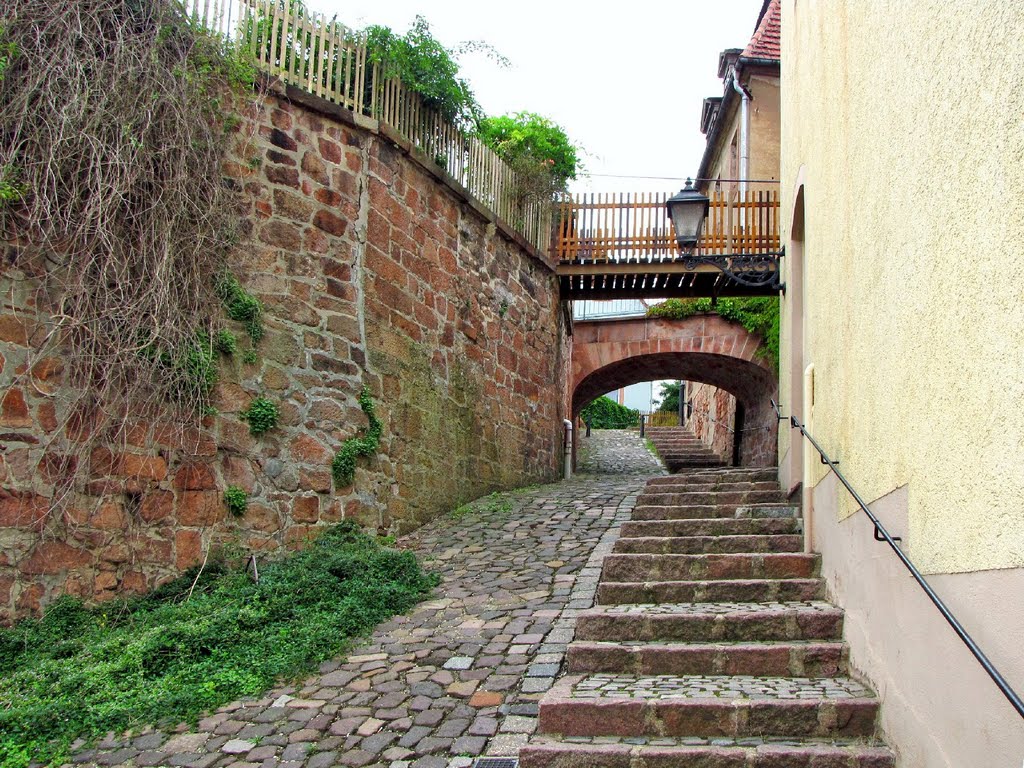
462 674
616 452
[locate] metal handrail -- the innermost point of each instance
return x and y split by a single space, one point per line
881 534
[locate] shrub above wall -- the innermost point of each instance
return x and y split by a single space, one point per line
605 413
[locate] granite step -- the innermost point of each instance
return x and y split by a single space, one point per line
710 622
703 511
729 475
732 591
790 565
782 659
669 498
720 526
708 706
694 545
662 752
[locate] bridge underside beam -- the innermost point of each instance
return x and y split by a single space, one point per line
655 281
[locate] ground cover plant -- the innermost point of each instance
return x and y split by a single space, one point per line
605 413
193 644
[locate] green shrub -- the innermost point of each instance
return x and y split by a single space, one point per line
173 655
343 467
533 144
262 416
236 500
605 413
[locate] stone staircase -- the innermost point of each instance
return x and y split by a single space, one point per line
710 645
679 449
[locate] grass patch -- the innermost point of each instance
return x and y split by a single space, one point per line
496 503
176 653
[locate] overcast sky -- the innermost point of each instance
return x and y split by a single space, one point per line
626 81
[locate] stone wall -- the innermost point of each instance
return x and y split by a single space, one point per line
712 417
375 269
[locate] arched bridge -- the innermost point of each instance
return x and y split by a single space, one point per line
608 354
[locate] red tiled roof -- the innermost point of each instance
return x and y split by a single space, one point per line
765 44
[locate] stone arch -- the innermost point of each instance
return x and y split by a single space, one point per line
607 355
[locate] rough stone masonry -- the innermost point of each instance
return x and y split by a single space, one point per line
374 269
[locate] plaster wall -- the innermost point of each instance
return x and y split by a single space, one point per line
905 141
940 709
764 132
910 143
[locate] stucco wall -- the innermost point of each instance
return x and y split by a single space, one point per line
910 139
902 127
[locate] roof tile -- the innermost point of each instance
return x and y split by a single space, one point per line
766 42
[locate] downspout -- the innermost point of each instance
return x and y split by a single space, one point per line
568 448
744 133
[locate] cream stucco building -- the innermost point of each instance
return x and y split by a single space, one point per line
902 171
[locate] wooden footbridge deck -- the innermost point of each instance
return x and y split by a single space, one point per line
617 246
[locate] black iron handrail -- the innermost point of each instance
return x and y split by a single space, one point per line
881 534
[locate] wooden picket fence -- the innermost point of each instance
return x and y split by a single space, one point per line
628 227
308 50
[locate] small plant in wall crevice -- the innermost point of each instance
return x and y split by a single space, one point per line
262 416
343 467
236 500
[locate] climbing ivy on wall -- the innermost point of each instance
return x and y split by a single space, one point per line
343 467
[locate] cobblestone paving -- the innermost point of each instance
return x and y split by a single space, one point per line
664 687
462 674
616 452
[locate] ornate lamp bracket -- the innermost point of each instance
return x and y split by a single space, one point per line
756 270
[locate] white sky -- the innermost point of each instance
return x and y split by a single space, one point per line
625 81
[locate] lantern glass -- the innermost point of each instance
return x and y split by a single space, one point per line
687 209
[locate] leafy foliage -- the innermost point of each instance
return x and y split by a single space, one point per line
241 305
669 397
605 413
343 467
236 500
262 416
180 652
8 50
758 315
534 145
425 66
225 342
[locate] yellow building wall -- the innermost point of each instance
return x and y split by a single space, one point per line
904 122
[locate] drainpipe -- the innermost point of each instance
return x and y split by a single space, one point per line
568 448
744 133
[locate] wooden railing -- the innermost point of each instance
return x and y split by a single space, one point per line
625 228
323 57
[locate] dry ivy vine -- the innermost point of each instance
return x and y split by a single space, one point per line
115 117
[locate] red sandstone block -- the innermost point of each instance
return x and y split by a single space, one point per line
195 476
134 465
14 330
54 557
188 549
156 506
288 177
23 511
14 409
306 509
200 508
314 167
329 150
